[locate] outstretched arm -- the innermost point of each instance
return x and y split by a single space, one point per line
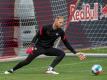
66 43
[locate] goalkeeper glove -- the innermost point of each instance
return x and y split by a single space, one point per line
30 49
81 55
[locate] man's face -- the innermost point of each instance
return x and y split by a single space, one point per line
59 22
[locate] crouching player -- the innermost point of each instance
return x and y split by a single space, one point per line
43 42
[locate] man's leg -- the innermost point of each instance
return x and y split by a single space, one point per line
24 62
54 52
27 61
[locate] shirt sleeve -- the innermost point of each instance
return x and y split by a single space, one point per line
66 43
39 34
35 37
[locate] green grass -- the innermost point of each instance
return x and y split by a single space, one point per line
70 69
96 50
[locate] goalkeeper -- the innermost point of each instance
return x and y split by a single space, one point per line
43 42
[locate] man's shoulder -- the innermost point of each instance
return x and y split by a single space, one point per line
48 25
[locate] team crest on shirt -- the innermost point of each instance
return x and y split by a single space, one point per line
57 34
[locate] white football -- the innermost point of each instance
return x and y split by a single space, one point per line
96 69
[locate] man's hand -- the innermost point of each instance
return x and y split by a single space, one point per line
81 55
30 50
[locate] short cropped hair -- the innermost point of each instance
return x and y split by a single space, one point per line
59 17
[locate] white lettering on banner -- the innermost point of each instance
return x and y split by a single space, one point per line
85 14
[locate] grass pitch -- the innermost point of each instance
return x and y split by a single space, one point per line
96 50
70 69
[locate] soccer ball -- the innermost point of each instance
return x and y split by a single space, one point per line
96 69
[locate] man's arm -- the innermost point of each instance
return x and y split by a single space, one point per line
66 43
34 41
38 35
35 38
